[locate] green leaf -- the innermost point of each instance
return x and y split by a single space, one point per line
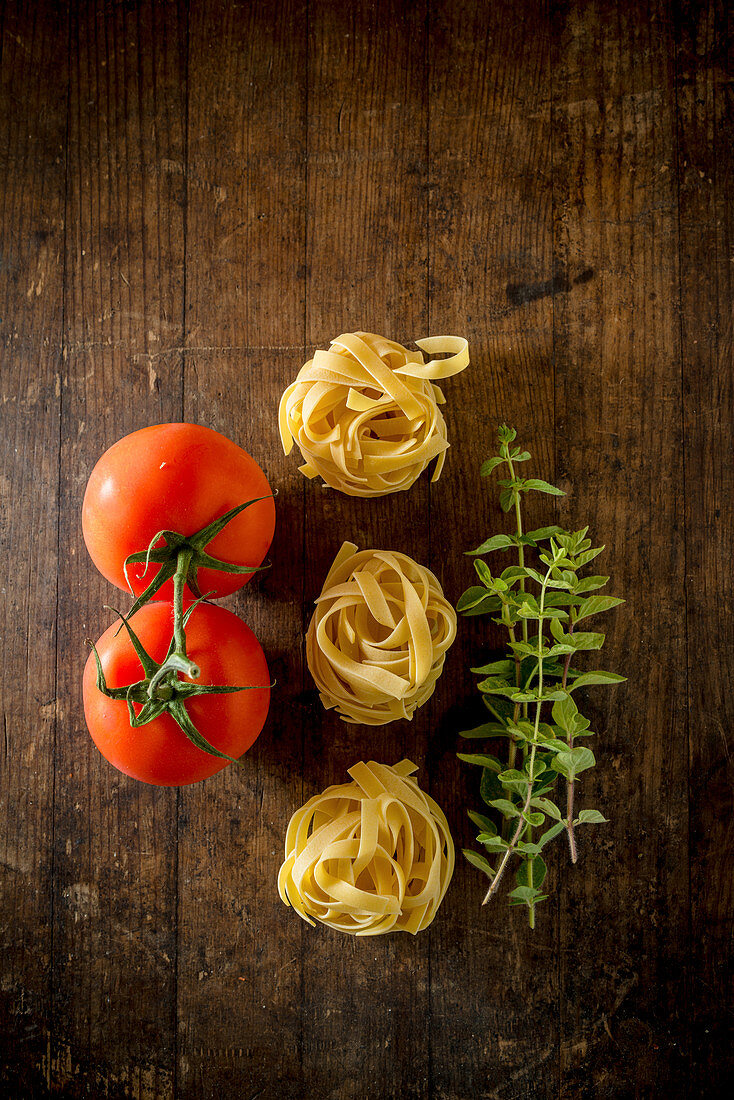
590 817
506 434
515 781
549 834
523 895
533 818
527 848
541 533
553 744
505 807
484 573
496 542
527 611
594 605
489 465
479 861
564 712
493 685
496 668
539 871
547 806
489 729
507 499
513 573
489 786
554 694
520 456
590 584
586 640
574 762
543 487
598 677
478 601
562 599
493 843
586 556
532 769
482 759
524 697
483 822
471 597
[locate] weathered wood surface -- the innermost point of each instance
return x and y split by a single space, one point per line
192 196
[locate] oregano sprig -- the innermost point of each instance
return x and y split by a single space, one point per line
536 675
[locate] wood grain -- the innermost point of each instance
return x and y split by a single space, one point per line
705 168
491 275
32 167
115 839
239 972
193 196
366 261
618 379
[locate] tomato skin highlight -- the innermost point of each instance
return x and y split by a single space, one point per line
177 477
159 752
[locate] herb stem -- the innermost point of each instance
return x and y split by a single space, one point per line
569 782
519 532
523 824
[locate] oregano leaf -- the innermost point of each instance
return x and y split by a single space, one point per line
489 729
479 861
594 605
505 807
590 817
483 822
494 843
482 759
539 871
497 542
489 465
549 834
598 677
547 806
541 486
590 584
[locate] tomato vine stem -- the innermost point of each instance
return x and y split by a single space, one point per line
161 691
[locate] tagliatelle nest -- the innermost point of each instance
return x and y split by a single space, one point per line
371 856
365 413
377 641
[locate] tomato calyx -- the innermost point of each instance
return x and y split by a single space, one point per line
160 690
171 556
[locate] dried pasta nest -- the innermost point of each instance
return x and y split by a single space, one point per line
377 641
371 856
365 414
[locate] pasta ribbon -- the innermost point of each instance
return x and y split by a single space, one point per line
365 413
377 641
368 857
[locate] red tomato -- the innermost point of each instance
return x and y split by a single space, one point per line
226 651
177 477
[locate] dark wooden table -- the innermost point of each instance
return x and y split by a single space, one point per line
193 196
